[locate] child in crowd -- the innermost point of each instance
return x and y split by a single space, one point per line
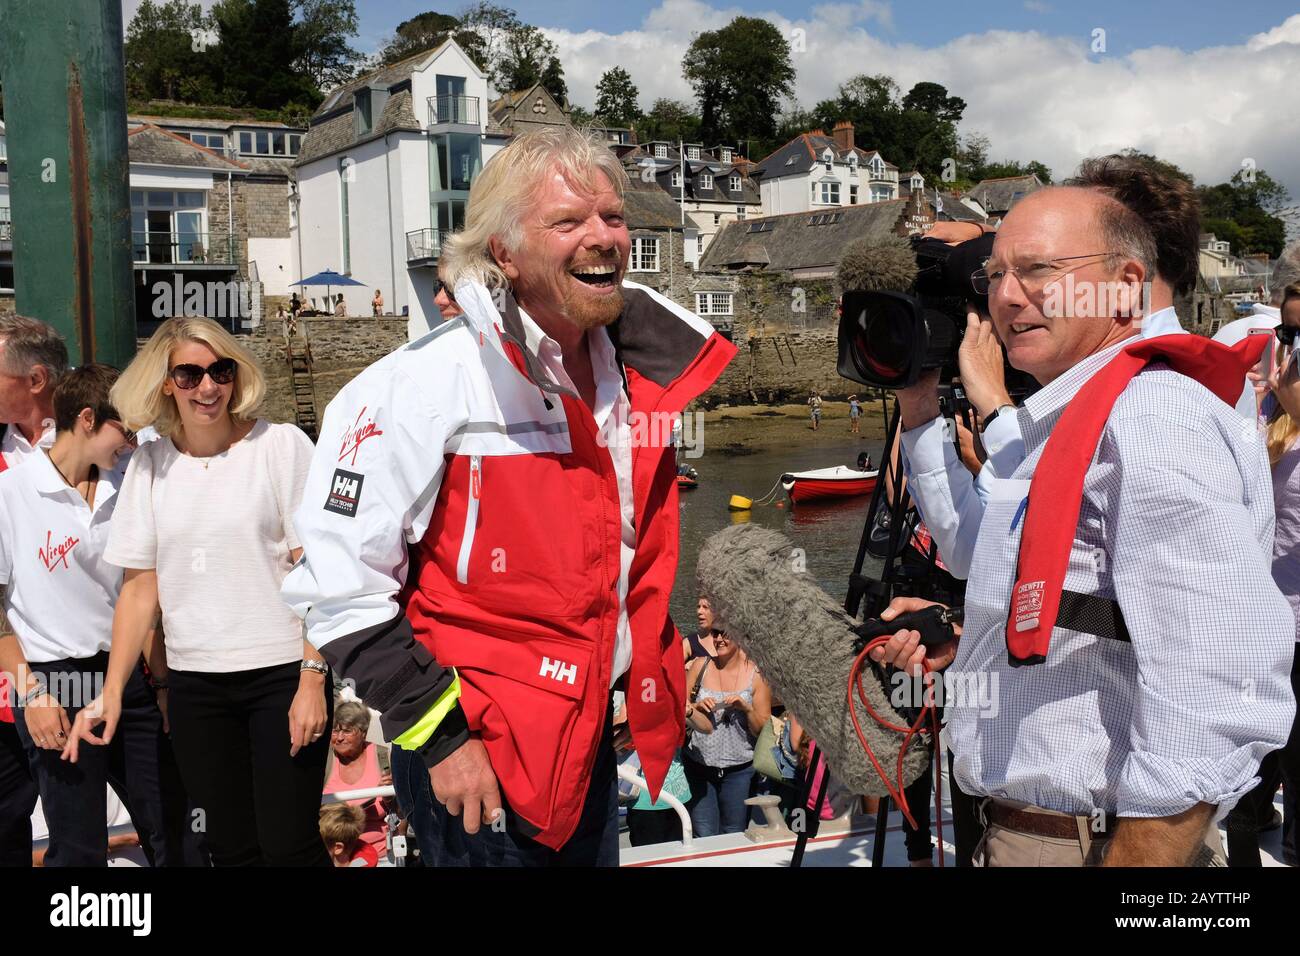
341 825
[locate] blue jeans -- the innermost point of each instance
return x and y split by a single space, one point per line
718 797
443 841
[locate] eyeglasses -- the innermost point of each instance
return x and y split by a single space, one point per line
1286 334
443 287
188 376
1033 276
127 434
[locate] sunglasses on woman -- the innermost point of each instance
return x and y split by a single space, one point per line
189 376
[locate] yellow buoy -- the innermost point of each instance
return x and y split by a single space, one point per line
740 503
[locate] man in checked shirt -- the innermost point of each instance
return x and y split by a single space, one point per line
1126 742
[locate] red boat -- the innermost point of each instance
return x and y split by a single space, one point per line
687 477
838 482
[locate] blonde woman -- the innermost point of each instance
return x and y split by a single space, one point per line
203 531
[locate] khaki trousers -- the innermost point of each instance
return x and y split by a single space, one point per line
1003 847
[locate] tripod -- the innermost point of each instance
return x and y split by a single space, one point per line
883 535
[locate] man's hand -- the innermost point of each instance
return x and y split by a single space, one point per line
981 363
465 784
919 403
904 649
1159 841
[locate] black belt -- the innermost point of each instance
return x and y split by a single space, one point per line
1090 614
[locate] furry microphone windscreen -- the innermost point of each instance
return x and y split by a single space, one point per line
885 265
801 642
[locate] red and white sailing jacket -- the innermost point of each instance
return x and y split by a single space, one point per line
461 512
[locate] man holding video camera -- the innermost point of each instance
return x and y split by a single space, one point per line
1166 680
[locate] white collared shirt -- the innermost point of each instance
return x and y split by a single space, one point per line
950 502
612 412
15 447
60 591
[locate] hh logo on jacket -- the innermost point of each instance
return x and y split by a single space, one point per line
558 670
52 555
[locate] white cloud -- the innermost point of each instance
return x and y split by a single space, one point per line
1035 96
1037 6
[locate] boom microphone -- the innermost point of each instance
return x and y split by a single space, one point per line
803 645
887 265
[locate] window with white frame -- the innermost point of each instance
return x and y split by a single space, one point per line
705 181
740 212
726 155
645 254
734 183
692 152
827 193
713 303
677 179
699 244
853 195
717 218
881 193
828 158
268 143
661 151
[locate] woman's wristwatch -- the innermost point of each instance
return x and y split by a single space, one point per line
320 667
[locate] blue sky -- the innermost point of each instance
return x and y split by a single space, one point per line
1207 84
1131 24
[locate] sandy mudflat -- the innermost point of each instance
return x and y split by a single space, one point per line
740 429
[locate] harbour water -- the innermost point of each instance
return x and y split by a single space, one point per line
828 533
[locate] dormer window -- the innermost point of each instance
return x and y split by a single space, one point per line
853 162
734 183
661 151
726 155
828 158
705 181
877 166
692 152
677 179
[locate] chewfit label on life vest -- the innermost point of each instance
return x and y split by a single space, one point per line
1028 603
345 493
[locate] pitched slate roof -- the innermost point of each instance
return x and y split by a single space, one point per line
648 207
160 147
804 151
792 242
997 196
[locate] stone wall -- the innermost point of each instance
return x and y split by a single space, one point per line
7 303
786 332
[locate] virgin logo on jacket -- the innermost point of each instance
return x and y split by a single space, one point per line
356 434
53 555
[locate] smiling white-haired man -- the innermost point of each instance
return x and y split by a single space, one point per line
490 524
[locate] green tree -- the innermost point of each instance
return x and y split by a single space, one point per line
669 120
427 31
740 74
259 55
524 58
321 38
166 53
933 98
493 26
553 81
616 98
1240 211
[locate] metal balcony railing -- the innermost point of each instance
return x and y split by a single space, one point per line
167 248
453 109
6 230
423 244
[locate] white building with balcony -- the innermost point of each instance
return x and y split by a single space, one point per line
815 172
385 171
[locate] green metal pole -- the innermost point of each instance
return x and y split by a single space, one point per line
65 117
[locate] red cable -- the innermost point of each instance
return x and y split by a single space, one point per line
928 709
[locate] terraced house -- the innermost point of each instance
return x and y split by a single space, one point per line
814 172
712 186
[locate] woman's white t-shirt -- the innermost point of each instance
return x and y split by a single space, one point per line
218 531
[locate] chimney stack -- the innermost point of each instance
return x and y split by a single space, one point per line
843 134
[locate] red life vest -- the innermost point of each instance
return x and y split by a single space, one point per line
1056 490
